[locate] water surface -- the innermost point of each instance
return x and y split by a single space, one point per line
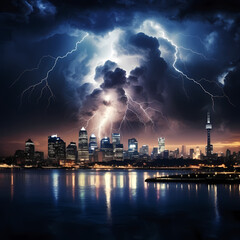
116 204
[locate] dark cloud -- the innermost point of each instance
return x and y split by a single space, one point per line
114 78
100 71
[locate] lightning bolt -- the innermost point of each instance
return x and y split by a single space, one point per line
196 53
31 69
44 80
212 96
131 106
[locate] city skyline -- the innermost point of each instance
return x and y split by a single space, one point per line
89 144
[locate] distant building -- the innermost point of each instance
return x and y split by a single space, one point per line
107 149
56 148
228 154
191 153
118 152
154 153
104 142
92 144
133 148
177 153
83 153
115 138
132 145
72 152
166 154
29 150
197 154
39 156
184 151
144 150
19 157
161 145
172 154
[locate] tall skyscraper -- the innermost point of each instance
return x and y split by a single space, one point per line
132 145
83 154
92 143
161 145
154 153
117 147
191 153
29 149
197 154
107 149
72 152
184 151
228 153
209 147
56 148
105 142
115 138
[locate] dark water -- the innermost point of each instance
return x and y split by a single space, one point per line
89 204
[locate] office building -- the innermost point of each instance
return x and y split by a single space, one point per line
161 145
132 145
154 154
92 144
29 150
118 152
184 151
144 150
191 153
39 156
115 138
72 152
166 154
83 153
56 148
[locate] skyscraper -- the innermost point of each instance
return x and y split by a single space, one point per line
132 145
184 151
191 153
107 149
209 147
29 149
92 143
83 154
144 150
72 151
105 142
56 148
115 138
161 145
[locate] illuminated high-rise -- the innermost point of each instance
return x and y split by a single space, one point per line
132 145
209 147
56 148
161 145
92 143
115 138
29 149
144 150
83 154
72 151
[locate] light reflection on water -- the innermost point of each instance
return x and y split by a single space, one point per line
110 197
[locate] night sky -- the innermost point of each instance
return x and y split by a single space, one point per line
143 68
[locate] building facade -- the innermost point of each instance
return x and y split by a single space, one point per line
83 153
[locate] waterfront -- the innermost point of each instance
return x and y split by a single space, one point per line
114 204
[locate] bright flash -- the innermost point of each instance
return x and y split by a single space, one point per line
107 98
